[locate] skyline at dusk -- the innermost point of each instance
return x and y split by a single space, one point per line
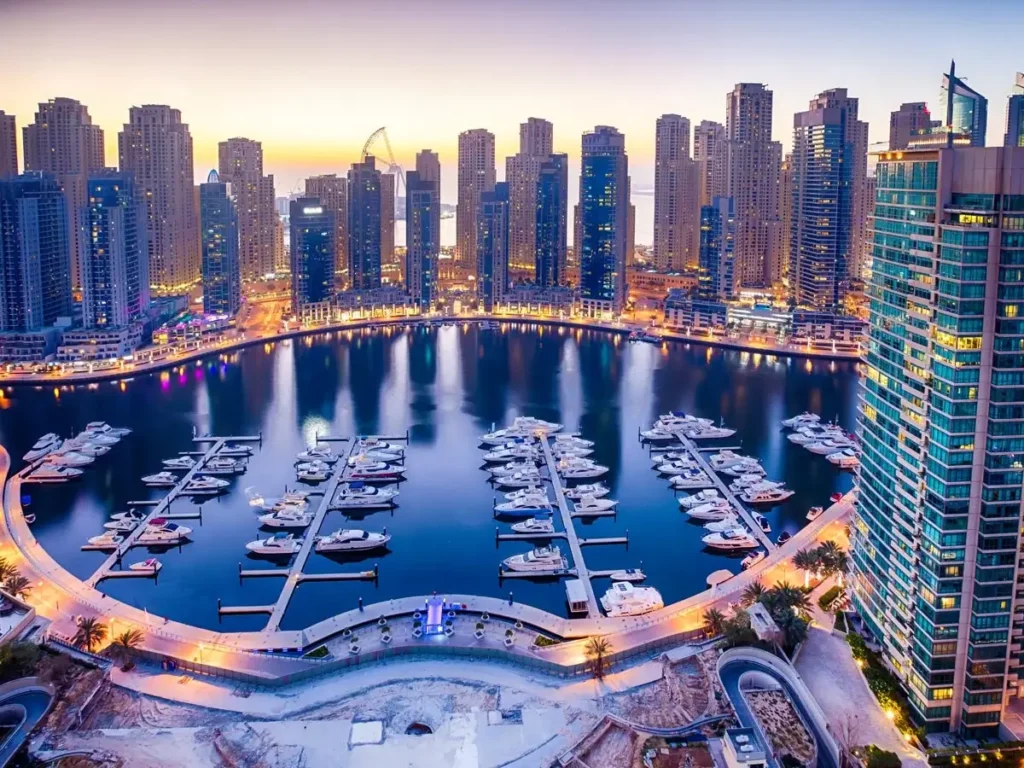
429 73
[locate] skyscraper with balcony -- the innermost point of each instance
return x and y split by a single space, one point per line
936 535
476 176
312 252
753 164
423 228
156 147
8 145
709 154
1014 136
114 257
492 246
604 222
63 141
717 276
827 217
552 211
366 200
910 120
966 113
332 192
35 263
676 195
522 172
219 229
240 165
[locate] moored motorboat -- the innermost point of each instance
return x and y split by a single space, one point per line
65 457
375 444
628 574
753 559
316 453
351 540
701 497
655 435
540 523
101 427
108 540
676 467
725 524
672 456
815 512
386 473
150 565
42 446
845 459
512 468
571 440
235 451
735 539
121 526
374 457
518 480
624 599
53 473
536 560
597 490
359 495
159 530
783 538
745 467
204 486
524 506
770 496
762 522
530 490
725 458
571 468
277 545
286 518
222 465
590 503
312 471
801 420
180 462
713 510
691 478
132 515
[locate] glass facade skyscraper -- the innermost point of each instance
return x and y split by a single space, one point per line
365 200
423 237
1015 115
969 109
35 257
936 535
312 252
718 277
492 246
218 222
552 218
604 221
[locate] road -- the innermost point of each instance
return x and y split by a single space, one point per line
23 704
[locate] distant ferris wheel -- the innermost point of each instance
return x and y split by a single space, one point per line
394 168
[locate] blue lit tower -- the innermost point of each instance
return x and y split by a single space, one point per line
552 215
718 277
218 222
365 198
312 252
423 228
492 246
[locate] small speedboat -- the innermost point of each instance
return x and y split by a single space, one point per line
286 518
161 480
222 465
54 473
623 599
628 574
351 540
278 544
108 540
590 503
316 453
804 419
540 523
735 539
753 559
386 473
762 522
696 499
597 490
771 496
180 462
205 485
540 559
121 526
132 515
524 506
159 530
152 565
783 538
235 451
359 495
815 512
713 510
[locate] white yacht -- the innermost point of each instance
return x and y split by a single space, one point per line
132 515
805 419
725 524
532 490
805 436
577 468
830 445
385 474
518 480
521 452
531 423
65 457
540 523
359 495
502 436
691 478
376 444
738 538
753 559
597 490
286 518
524 505
222 465
351 540
569 452
159 530
279 544
709 433
101 427
624 599
88 448
42 446
235 451
656 435
537 560
771 496
108 540
180 462
590 503
316 453
745 482
513 467
572 440
844 459
815 512
150 565
200 486
100 438
696 499
712 511
756 487
372 456
54 473
288 499
628 574
677 421
745 467
676 467
726 458
121 526
313 471
672 456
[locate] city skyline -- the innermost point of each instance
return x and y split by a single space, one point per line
269 100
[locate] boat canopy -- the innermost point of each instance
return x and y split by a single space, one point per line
356 485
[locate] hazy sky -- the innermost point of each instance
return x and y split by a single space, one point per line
312 79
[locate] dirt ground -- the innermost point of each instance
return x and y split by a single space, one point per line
780 721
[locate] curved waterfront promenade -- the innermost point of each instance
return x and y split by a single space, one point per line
86 377
60 597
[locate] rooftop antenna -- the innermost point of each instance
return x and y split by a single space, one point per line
949 103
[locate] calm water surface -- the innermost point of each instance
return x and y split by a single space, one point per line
446 387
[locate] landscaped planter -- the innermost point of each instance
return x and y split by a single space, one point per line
353 649
449 631
479 634
417 632
385 638
509 640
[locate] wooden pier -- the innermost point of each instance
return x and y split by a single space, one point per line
243 610
128 574
229 439
527 536
253 573
146 503
574 543
606 540
357 576
559 573
599 513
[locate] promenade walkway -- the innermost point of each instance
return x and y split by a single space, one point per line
60 597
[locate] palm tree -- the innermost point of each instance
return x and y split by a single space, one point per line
6 569
714 622
17 585
90 633
793 627
807 561
752 594
596 650
124 644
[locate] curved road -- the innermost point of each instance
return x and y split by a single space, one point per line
26 703
731 673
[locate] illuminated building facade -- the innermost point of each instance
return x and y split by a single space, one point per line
312 252
219 230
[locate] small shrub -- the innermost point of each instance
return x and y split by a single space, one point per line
543 641
317 653
880 758
828 597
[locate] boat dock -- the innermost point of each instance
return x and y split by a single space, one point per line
606 540
696 452
527 536
607 574
600 513
229 439
242 610
570 530
286 572
128 574
556 573
156 510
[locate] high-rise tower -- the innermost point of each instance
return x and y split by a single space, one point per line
220 240
522 172
366 200
476 176
8 145
240 164
1014 136
709 154
423 228
552 212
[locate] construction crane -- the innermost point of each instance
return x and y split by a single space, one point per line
393 167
